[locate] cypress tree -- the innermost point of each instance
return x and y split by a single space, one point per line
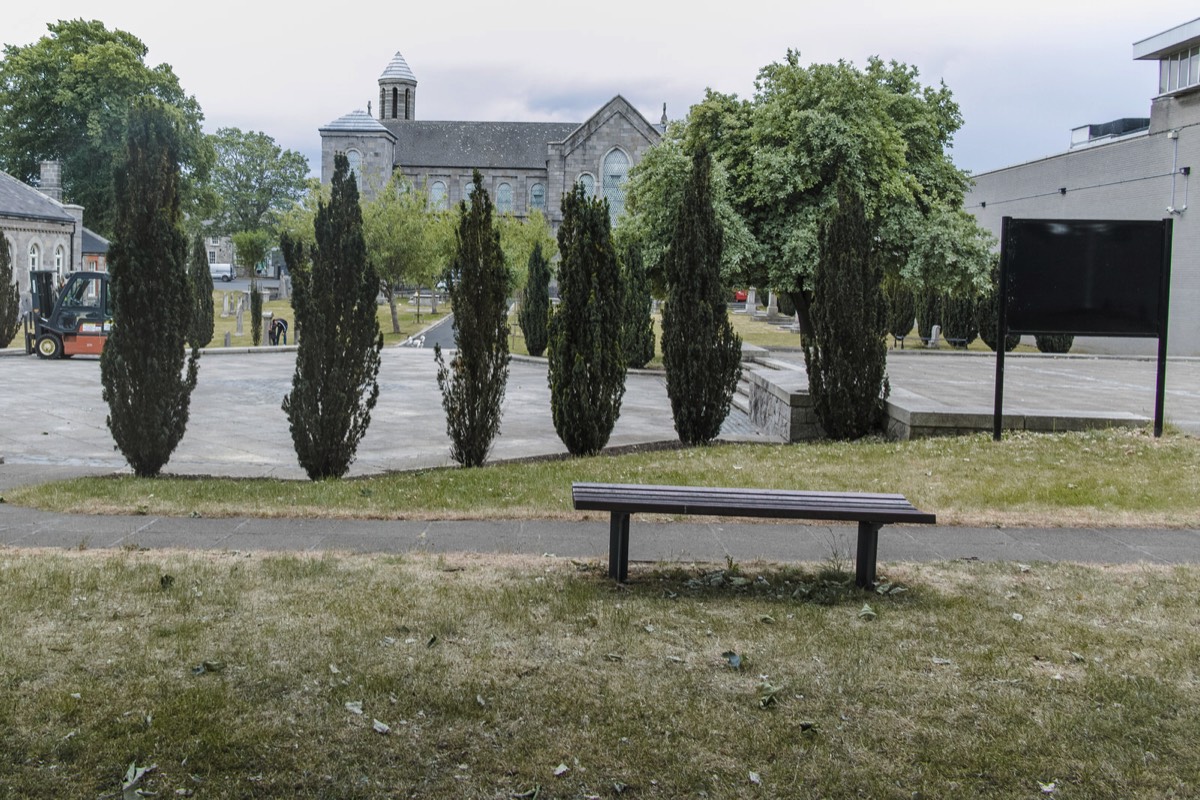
587 373
637 332
335 385
473 384
534 315
901 308
297 260
256 303
201 331
701 353
987 315
959 325
147 384
846 355
10 298
929 312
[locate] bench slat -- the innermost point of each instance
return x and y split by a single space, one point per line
780 503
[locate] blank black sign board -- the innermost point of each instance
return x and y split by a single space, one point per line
1088 278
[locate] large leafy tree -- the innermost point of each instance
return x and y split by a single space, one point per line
147 384
877 131
67 97
335 385
401 239
201 331
255 179
701 353
518 238
587 371
473 383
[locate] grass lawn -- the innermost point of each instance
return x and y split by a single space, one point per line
1117 477
232 675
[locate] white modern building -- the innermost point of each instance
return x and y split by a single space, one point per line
1132 168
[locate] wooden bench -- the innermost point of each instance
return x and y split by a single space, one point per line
870 511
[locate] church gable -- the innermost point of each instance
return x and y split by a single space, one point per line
615 119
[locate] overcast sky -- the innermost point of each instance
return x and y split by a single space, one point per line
1023 72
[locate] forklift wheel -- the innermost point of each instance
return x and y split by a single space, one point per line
49 346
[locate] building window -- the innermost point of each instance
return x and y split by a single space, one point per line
588 183
1179 70
437 196
537 197
616 171
59 258
355 159
395 100
504 196
212 256
35 256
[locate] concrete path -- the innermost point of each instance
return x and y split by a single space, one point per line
52 425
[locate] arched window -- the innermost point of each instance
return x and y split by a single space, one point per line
616 171
437 196
395 100
468 190
588 183
537 197
407 107
504 202
35 256
355 159
59 258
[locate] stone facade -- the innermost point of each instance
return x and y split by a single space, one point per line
42 232
1139 174
526 166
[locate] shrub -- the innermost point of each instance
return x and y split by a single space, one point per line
987 315
846 355
901 308
701 353
1054 342
534 314
335 385
473 384
637 326
147 385
587 372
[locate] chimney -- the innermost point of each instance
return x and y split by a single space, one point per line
51 181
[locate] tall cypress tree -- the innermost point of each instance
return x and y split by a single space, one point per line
534 315
201 331
987 314
587 373
637 327
473 384
846 355
297 259
701 352
147 385
335 385
10 299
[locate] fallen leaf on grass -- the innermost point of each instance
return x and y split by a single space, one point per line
208 666
941 662
560 770
1018 617
767 694
866 612
767 619
613 657
354 707
756 779
381 727
133 777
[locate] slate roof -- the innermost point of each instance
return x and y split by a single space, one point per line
20 200
94 243
357 121
487 145
397 70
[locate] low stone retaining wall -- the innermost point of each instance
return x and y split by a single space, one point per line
781 406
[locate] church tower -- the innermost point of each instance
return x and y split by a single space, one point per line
397 91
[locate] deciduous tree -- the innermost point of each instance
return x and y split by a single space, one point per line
147 384
66 97
401 239
335 385
255 179
473 383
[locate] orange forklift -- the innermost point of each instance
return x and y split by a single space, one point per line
73 321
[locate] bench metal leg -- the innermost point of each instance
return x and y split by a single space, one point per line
868 543
618 546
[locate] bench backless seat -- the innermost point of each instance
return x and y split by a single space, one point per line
870 511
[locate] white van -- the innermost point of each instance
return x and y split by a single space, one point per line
223 271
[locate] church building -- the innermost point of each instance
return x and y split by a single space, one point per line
526 166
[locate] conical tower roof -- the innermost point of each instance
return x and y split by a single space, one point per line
398 70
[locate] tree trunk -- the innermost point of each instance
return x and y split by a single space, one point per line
802 300
390 291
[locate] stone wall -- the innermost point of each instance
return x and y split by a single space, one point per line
780 405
